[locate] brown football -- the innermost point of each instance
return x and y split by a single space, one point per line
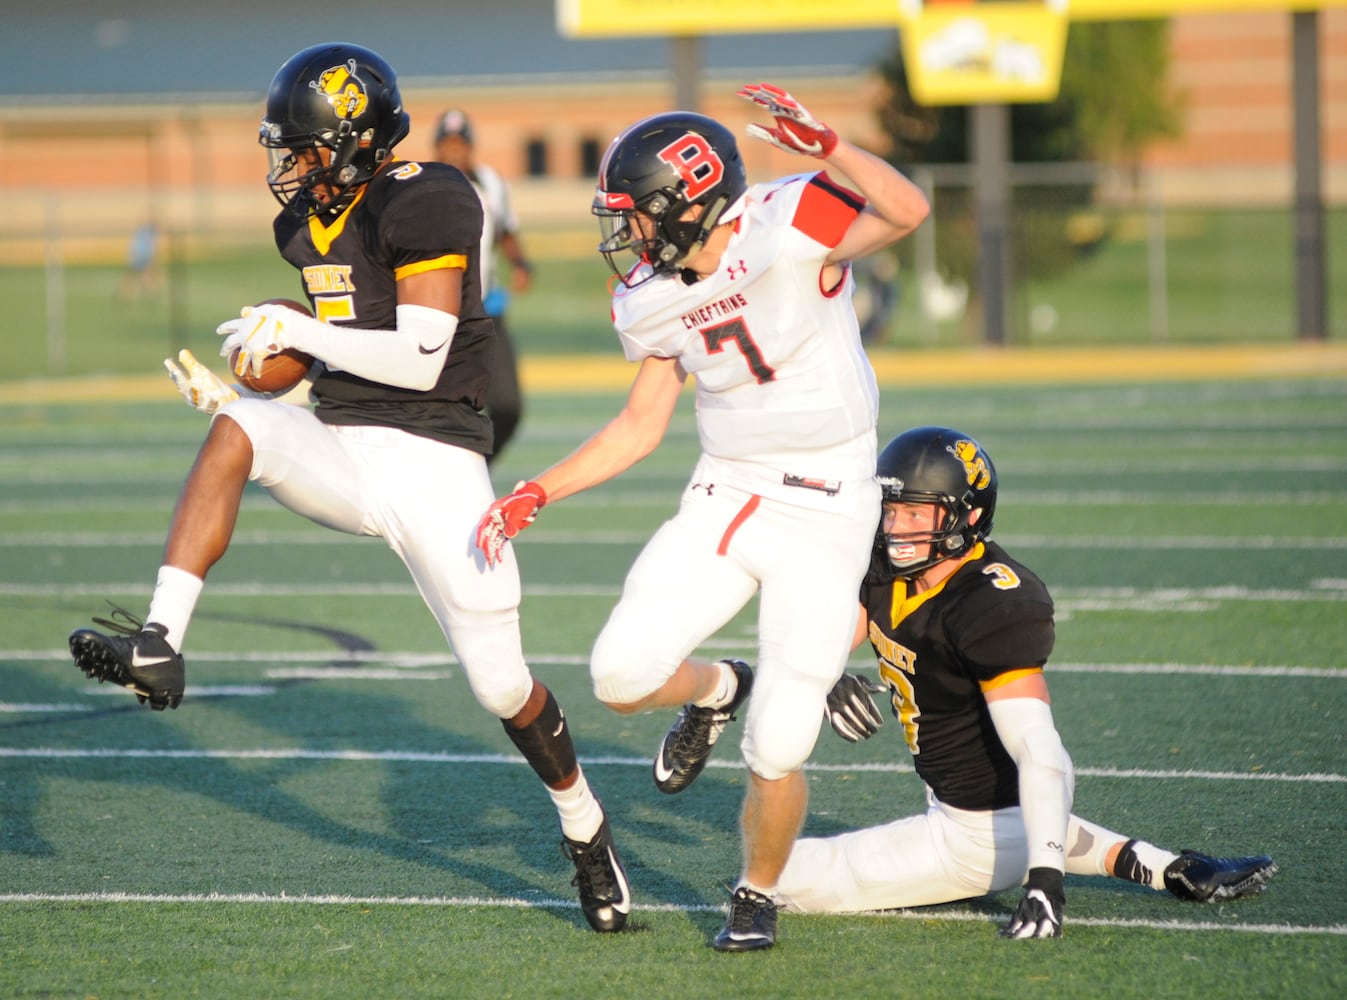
279 371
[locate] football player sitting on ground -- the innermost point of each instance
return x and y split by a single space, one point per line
749 290
962 632
387 249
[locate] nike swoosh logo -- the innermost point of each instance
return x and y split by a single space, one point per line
809 147
431 350
662 773
623 905
153 661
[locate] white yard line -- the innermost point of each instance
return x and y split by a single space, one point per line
546 536
471 902
439 757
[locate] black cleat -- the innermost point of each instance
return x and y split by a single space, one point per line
605 895
688 743
1198 877
140 659
752 923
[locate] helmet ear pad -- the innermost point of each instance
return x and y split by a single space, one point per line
681 234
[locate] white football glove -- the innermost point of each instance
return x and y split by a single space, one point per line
259 332
202 388
851 710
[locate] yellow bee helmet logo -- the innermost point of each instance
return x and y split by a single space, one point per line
974 464
343 90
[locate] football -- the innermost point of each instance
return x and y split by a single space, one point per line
279 371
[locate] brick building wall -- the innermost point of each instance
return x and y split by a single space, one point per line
198 165
1234 74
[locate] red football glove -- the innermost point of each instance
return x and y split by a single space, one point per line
507 517
796 130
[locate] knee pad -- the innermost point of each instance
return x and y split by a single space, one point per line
784 715
488 648
624 669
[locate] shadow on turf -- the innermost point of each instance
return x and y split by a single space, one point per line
450 827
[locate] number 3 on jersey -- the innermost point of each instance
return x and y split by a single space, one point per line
736 331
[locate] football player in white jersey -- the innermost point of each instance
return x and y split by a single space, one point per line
749 290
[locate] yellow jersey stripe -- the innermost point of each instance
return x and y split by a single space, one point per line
1008 677
450 260
903 605
324 236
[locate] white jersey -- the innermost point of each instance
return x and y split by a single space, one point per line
786 399
498 218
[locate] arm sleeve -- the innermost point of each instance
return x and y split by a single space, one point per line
409 357
1047 779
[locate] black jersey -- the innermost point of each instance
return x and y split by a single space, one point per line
937 649
410 216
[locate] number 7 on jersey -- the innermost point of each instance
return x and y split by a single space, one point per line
735 330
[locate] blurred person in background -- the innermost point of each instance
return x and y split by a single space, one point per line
143 275
500 232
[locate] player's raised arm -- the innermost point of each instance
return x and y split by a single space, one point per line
895 206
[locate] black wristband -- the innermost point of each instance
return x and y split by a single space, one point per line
1049 880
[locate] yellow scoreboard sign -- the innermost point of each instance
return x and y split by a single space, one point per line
619 18
593 18
963 53
955 51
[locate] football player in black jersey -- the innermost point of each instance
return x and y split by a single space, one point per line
387 251
962 632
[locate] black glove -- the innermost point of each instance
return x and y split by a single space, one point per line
850 709
1039 914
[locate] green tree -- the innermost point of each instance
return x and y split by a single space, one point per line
1114 101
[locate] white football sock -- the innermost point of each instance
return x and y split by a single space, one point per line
1155 859
579 809
746 884
175 595
725 690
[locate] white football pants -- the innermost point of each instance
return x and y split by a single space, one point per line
940 856
702 566
424 499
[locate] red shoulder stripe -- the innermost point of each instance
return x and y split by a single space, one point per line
826 209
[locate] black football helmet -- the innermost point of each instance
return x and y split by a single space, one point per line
942 466
662 166
336 97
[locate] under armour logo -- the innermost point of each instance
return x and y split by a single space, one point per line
735 270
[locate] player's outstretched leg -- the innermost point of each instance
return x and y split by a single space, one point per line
687 745
1198 877
139 658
